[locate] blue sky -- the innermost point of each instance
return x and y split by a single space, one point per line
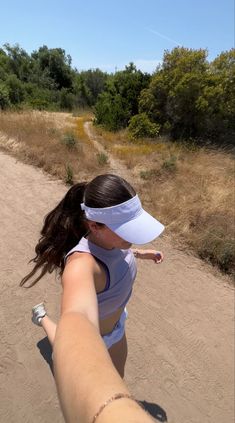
109 34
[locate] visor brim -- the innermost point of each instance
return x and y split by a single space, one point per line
141 230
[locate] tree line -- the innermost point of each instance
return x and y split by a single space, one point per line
187 97
46 80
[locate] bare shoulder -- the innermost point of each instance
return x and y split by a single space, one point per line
79 265
79 262
78 258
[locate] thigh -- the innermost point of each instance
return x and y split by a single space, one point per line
118 354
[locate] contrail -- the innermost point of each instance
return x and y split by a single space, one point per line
163 36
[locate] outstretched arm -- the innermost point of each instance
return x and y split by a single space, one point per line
156 256
78 294
86 378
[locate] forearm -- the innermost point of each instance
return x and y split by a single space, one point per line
154 255
85 376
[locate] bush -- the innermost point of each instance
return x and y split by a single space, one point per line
40 98
69 175
69 140
67 100
4 97
112 111
170 164
141 127
16 89
102 159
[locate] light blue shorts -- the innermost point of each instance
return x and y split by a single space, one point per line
117 332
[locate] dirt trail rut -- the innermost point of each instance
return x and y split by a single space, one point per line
180 327
116 165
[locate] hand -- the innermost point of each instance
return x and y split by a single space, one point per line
158 257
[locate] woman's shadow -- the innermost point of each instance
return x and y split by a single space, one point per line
153 409
45 349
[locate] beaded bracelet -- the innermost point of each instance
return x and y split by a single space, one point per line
113 398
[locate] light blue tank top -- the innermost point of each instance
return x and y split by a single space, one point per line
121 272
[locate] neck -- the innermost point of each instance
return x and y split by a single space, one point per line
97 241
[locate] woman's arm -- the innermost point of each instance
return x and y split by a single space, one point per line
156 256
79 292
86 378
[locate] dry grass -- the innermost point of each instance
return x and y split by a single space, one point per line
190 189
39 138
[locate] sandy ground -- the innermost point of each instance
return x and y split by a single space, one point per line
180 326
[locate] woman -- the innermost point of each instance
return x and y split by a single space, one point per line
88 237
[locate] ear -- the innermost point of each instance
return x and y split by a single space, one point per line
93 227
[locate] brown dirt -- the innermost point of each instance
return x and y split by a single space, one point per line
180 329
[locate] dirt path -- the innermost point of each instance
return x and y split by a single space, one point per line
180 328
115 164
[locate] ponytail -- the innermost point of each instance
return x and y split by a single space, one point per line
63 228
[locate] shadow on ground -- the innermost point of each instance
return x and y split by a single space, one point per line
45 349
154 410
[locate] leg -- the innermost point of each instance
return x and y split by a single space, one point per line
118 354
40 318
50 328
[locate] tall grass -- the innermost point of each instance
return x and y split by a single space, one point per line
49 140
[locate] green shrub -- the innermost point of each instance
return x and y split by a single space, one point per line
170 164
40 98
112 111
141 127
102 159
69 175
69 140
67 100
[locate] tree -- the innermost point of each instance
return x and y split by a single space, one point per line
55 65
94 80
19 62
171 99
16 89
4 65
192 98
4 97
112 111
119 101
67 99
219 99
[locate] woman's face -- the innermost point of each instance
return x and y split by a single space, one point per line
104 237
114 240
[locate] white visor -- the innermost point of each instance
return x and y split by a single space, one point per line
128 220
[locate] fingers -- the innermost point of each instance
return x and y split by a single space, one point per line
158 257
